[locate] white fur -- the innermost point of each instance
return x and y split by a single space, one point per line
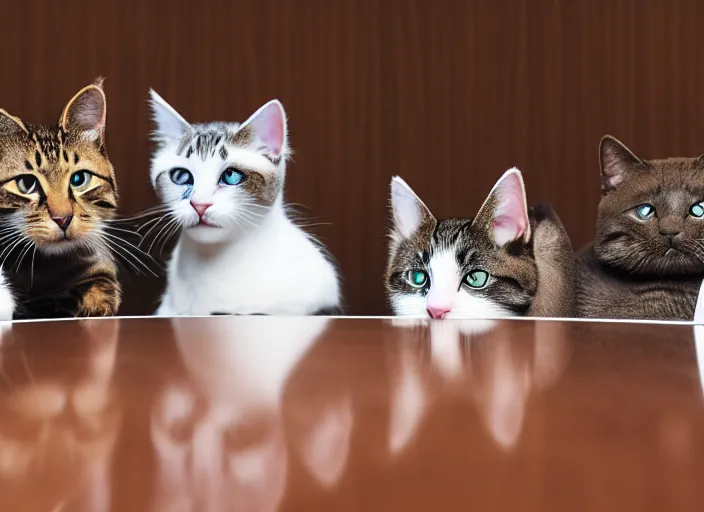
699 307
273 269
406 206
170 124
446 292
7 301
256 260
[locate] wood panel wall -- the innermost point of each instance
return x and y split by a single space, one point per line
447 94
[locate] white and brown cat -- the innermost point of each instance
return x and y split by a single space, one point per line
238 252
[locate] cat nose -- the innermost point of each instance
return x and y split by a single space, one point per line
670 233
200 207
63 222
437 311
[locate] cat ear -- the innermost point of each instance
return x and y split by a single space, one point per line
86 112
268 129
505 211
170 125
409 212
615 159
10 124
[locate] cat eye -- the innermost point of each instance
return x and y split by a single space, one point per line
80 179
27 184
697 210
181 176
477 279
417 278
645 211
231 177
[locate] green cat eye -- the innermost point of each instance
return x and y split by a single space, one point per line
477 279
645 211
417 278
697 210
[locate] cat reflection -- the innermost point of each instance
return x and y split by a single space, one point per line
488 362
58 422
220 437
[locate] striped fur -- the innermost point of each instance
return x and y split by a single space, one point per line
56 248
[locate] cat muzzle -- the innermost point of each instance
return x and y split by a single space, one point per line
63 222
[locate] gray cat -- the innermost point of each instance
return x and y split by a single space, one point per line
647 259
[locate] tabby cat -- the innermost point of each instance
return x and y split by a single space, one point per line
647 259
238 251
508 260
57 192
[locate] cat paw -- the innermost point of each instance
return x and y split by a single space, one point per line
98 304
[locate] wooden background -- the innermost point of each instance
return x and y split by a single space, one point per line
447 94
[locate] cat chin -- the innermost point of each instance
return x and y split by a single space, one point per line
208 234
59 248
471 310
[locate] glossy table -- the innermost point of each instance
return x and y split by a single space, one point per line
316 414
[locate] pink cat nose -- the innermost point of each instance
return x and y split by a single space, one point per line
437 311
200 207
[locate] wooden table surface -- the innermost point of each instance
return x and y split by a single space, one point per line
314 414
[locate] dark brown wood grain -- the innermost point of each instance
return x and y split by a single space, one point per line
447 94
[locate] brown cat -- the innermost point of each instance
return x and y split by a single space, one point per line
57 192
647 260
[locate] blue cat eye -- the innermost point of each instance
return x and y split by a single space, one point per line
645 211
80 179
181 176
477 279
697 210
231 177
416 278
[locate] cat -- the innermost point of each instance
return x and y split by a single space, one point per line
647 258
239 252
507 261
57 195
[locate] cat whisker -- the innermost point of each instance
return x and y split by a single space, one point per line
314 224
117 250
20 239
127 255
30 244
175 219
255 205
128 231
14 232
239 217
168 219
171 232
117 240
156 220
245 206
31 268
140 215
246 216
